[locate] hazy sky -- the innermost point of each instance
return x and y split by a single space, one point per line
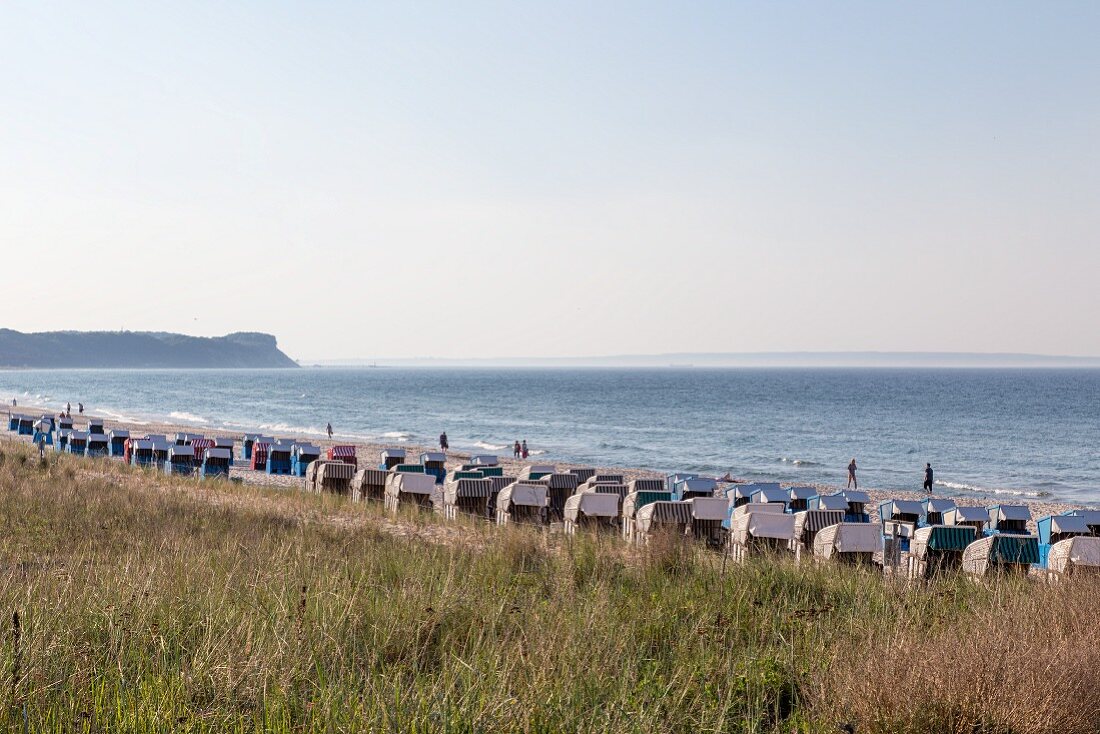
567 178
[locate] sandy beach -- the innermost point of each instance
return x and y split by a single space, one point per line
368 454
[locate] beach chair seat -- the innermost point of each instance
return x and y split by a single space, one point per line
935 549
369 484
848 542
1000 553
466 497
419 490
760 530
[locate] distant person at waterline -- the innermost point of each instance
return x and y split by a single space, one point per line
80 408
329 429
443 443
853 483
929 476
516 450
523 449
68 409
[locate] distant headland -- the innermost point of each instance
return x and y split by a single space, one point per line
138 349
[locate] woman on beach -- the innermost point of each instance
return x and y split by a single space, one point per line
523 449
516 450
852 482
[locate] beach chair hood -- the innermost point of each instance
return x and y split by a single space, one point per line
847 537
1076 552
520 494
591 504
762 525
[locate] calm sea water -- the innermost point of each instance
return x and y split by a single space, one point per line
1033 433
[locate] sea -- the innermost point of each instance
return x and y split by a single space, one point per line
1000 433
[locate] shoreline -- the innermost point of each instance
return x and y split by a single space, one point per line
368 453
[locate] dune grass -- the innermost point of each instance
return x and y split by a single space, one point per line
135 602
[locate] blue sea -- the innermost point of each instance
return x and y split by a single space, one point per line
1003 433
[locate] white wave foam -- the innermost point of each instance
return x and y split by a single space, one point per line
488 446
961 487
536 452
400 435
108 413
182 415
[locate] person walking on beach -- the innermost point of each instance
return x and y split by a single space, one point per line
523 449
516 450
329 429
928 478
443 443
853 483
68 409
80 408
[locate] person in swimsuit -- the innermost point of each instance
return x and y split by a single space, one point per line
928 478
852 482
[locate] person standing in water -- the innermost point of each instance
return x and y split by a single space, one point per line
443 443
929 477
853 483
523 449
80 408
516 450
329 429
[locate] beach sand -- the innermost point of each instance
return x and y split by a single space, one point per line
368 455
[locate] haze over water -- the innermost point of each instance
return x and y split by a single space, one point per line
1002 433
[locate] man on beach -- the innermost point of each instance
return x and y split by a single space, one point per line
443 443
852 482
928 477
329 429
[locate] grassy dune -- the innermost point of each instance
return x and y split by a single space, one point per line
154 604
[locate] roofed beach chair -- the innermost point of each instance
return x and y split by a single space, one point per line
686 489
636 500
181 460
1092 519
934 510
760 527
848 542
117 438
829 502
595 510
661 518
215 462
799 497
201 445
934 549
278 458
226 442
435 463
770 495
1000 553
141 452
857 505
369 484
466 497
333 476
344 453
77 441
43 432
521 501
807 524
708 515
184 438
419 490
650 484
560 487
898 520
1008 519
95 427
1056 529
65 422
160 450
62 444
247 442
259 456
301 456
391 458
741 494
98 445
496 484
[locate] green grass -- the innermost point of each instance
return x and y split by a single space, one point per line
155 604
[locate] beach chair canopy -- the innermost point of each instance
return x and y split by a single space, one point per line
561 481
223 442
519 494
97 438
801 493
998 513
829 502
591 505
1054 525
770 494
1092 517
336 470
940 505
773 508
78 435
95 422
1077 552
847 537
159 443
484 460
119 433
464 488
812 521
746 526
646 485
437 457
745 491
341 452
961 514
393 454
540 469
181 452
304 449
606 479
890 509
218 452
662 513
941 538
